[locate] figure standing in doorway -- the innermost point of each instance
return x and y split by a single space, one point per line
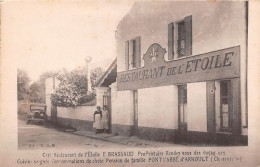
98 120
105 118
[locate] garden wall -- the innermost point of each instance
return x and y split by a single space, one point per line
80 117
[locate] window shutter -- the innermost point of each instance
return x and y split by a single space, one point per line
188 35
138 51
130 54
170 41
126 55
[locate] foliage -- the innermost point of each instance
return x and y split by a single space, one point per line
72 90
22 84
95 74
37 89
46 75
37 92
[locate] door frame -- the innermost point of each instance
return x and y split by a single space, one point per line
135 105
182 126
108 103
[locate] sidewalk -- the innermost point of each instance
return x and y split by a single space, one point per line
132 141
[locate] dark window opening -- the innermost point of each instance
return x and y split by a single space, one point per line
134 54
182 98
181 39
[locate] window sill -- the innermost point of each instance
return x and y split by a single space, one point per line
223 132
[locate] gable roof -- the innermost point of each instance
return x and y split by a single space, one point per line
109 76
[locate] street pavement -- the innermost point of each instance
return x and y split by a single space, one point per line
37 136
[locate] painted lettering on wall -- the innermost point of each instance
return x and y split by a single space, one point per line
209 66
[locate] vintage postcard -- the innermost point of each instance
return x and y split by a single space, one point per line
129 83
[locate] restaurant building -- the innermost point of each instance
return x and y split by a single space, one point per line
182 72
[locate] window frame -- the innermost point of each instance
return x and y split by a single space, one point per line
182 100
173 38
177 40
133 53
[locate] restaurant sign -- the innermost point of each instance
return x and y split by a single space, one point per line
157 72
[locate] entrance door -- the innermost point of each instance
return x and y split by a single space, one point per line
107 103
225 106
182 107
135 112
223 102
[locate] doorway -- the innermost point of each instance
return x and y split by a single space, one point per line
225 100
224 106
107 104
182 108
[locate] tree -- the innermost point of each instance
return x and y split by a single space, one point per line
72 90
95 74
37 92
22 85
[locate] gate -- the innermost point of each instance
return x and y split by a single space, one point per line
107 103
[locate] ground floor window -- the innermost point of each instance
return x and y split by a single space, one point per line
182 106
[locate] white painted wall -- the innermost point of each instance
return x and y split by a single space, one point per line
49 84
158 107
49 89
122 106
197 107
48 104
80 112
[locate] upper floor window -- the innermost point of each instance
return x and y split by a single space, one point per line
180 38
133 53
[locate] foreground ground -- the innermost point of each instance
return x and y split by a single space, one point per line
35 136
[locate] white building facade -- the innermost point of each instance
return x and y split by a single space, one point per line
182 72
51 84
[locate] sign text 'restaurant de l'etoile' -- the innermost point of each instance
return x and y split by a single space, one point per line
156 72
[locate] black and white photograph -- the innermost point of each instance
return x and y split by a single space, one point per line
156 82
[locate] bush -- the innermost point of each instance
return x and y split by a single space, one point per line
72 90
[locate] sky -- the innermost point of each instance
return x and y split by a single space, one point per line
51 35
